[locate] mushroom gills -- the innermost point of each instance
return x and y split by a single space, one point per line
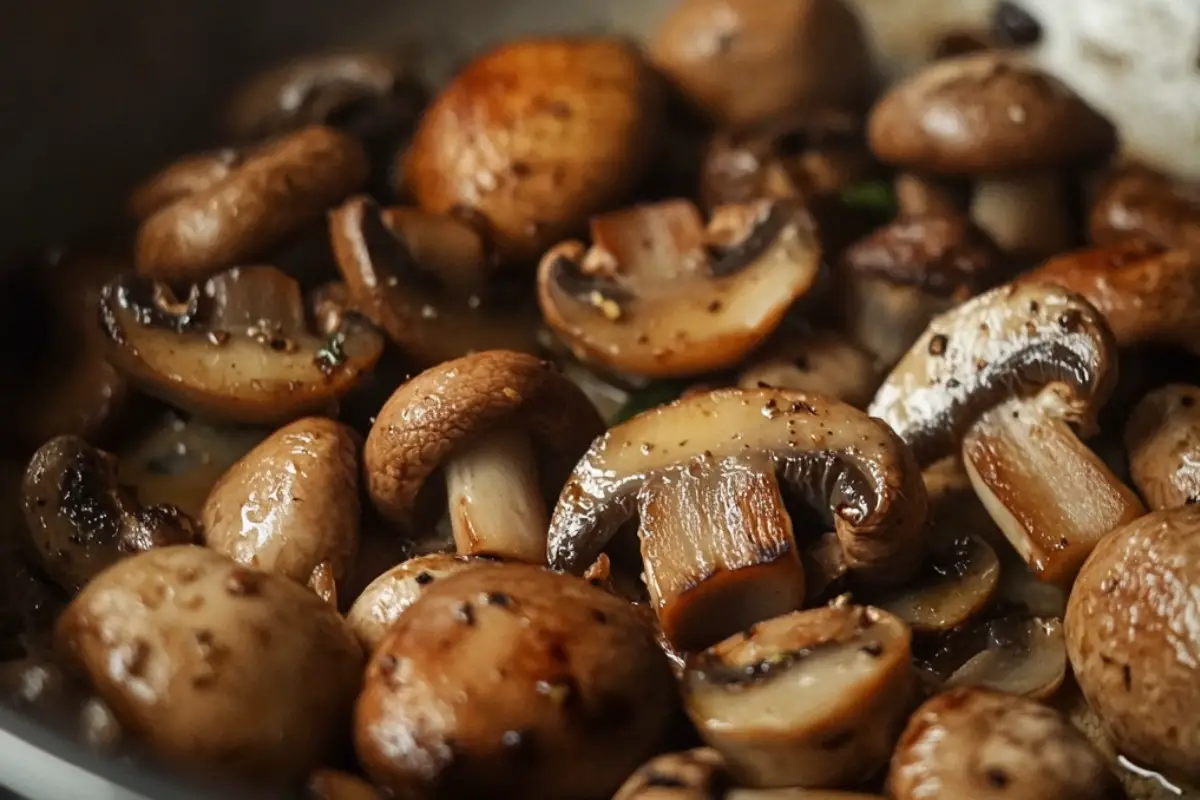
958 580
718 548
1050 495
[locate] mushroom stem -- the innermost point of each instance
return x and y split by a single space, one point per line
496 504
920 195
1027 214
1051 496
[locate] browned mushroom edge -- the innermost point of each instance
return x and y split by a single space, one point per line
1162 438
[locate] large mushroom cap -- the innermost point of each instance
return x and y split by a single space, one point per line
986 113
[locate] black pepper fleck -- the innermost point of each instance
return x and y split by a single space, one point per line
424 578
465 614
938 344
499 599
997 778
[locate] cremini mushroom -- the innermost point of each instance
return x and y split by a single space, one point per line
1013 128
424 278
330 784
510 680
813 698
977 743
272 193
902 275
1131 636
817 361
212 665
1005 376
391 594
745 63
1137 201
660 294
186 176
705 474
239 350
1017 653
535 137
1162 437
481 419
290 505
80 519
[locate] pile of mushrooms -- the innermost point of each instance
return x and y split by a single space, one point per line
889 489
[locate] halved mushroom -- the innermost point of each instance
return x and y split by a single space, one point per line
290 506
1139 202
1018 654
423 278
660 295
813 698
1007 374
705 474
187 176
978 743
818 361
80 519
240 350
478 418
1163 441
274 192
330 784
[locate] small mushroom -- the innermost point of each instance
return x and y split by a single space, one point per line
907 272
1012 127
290 506
510 680
813 698
1131 635
978 743
745 62
1163 441
187 176
81 520
330 784
274 192
1006 375
1017 654
240 350
423 278
393 592
479 419
1137 201
209 664
535 137
660 295
819 361
705 474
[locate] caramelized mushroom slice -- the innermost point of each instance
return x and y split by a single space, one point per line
1007 374
813 698
423 278
660 295
81 520
957 580
1016 654
704 475
240 350
819 361
1163 441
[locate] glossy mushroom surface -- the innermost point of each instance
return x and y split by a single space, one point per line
1138 202
820 361
1162 437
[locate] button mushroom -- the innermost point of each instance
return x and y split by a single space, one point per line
186 176
1137 201
978 743
1007 374
819 361
240 350
745 62
290 506
212 665
81 520
1163 440
537 136
1133 641
478 419
660 295
509 680
1011 126
813 698
704 475
273 193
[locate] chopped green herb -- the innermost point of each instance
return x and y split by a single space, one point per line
874 196
653 395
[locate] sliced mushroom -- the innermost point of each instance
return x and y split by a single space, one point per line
1007 374
391 594
1139 202
660 295
536 136
187 176
510 680
813 698
423 278
819 361
1163 440
1018 654
478 419
329 784
81 520
1131 636
290 506
240 350
704 474
977 743
274 192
